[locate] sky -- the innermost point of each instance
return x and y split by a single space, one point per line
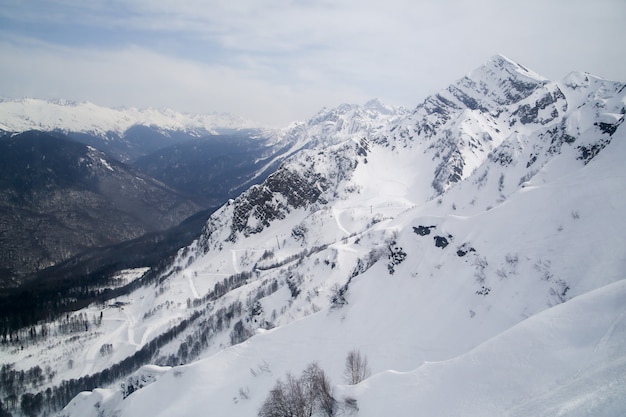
277 61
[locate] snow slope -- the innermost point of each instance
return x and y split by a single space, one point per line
568 360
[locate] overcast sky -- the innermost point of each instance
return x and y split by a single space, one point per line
275 61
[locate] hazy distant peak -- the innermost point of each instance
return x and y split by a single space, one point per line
19 115
377 105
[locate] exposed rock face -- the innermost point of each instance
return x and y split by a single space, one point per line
310 177
294 186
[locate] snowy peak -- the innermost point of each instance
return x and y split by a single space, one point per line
335 125
351 119
498 82
461 125
380 107
349 155
501 64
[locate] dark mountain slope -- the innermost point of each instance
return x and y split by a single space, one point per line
136 142
59 197
213 168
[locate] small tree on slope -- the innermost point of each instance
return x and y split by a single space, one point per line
357 368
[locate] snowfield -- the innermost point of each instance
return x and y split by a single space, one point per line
568 360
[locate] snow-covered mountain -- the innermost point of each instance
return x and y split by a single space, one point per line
85 117
123 133
471 249
332 126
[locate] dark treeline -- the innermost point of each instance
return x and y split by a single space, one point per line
29 306
198 340
82 280
282 262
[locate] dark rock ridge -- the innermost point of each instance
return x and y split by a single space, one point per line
310 177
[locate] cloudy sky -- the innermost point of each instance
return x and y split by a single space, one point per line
275 61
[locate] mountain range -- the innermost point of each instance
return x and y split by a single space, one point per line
124 133
470 249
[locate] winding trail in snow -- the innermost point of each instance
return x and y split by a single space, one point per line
336 214
130 322
93 351
192 286
234 256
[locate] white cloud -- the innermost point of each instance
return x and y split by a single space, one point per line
137 77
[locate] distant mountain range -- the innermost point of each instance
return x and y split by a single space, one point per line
123 133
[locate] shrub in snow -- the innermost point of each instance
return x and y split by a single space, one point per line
337 298
442 242
396 256
350 405
423 230
106 349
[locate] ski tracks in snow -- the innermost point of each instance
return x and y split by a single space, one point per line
336 214
234 255
130 331
609 333
192 287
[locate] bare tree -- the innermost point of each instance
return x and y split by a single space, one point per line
357 368
320 389
288 399
276 404
301 397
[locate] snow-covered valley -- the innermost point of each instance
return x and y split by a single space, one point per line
472 249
